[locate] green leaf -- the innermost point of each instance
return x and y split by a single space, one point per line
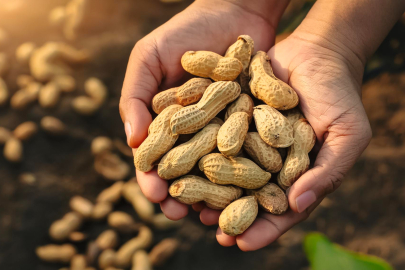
322 254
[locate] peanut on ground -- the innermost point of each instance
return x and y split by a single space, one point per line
271 198
232 133
56 253
142 206
82 206
111 166
192 189
111 194
25 130
101 210
140 261
107 240
238 171
163 251
121 221
238 216
62 228
13 150
192 118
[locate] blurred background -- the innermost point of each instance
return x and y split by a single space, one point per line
366 214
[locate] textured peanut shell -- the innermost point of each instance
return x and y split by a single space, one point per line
242 50
3 92
81 205
142 241
56 253
191 189
142 206
243 103
238 171
25 130
297 161
13 150
263 154
187 94
273 127
232 133
111 194
163 251
181 159
192 118
293 115
211 65
265 86
238 216
61 229
159 141
107 239
140 261
271 198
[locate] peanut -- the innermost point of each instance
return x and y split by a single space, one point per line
265 86
297 161
161 222
101 144
61 229
243 103
107 240
53 126
263 154
187 94
75 12
271 198
56 253
5 134
273 127
96 89
238 171
57 16
232 133
24 97
13 150
101 210
242 50
66 83
81 206
163 251
4 63
27 178
238 216
24 52
78 262
111 194
211 65
181 159
159 141
77 236
192 118
216 120
140 261
24 80
3 92
142 206
127 250
121 221
111 166
293 115
25 130
106 259
193 189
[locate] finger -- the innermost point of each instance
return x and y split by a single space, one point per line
343 145
198 206
141 82
153 187
173 209
209 216
224 239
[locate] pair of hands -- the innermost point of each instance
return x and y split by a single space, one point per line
326 80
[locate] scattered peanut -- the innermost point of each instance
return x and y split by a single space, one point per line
238 171
238 216
192 189
85 105
121 221
271 198
140 261
232 133
61 229
65 83
24 52
77 236
192 118
161 222
57 16
111 166
5 134
106 259
96 89
25 130
163 251
101 144
24 97
107 240
78 262
53 126
82 206
111 194
24 80
13 150
101 210
56 253
142 206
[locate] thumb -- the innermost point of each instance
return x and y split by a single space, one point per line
345 140
141 82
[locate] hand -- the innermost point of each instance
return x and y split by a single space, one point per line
155 64
327 79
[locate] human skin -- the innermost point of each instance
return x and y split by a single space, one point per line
323 60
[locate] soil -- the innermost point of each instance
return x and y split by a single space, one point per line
366 214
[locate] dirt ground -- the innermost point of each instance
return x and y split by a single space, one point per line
366 214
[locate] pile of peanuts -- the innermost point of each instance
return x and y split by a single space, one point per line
235 184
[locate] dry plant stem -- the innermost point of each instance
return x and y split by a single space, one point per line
192 118
101 210
242 50
263 154
107 240
159 141
273 127
82 206
56 253
163 251
181 159
111 166
297 161
111 194
185 95
142 206
127 250
211 65
244 103
265 86
238 171
13 150
53 126
232 133
62 228
293 115
3 92
25 130
140 261
271 198
238 216
192 189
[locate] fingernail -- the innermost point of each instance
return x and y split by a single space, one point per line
305 200
128 132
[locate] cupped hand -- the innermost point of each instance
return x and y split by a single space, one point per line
154 65
327 78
